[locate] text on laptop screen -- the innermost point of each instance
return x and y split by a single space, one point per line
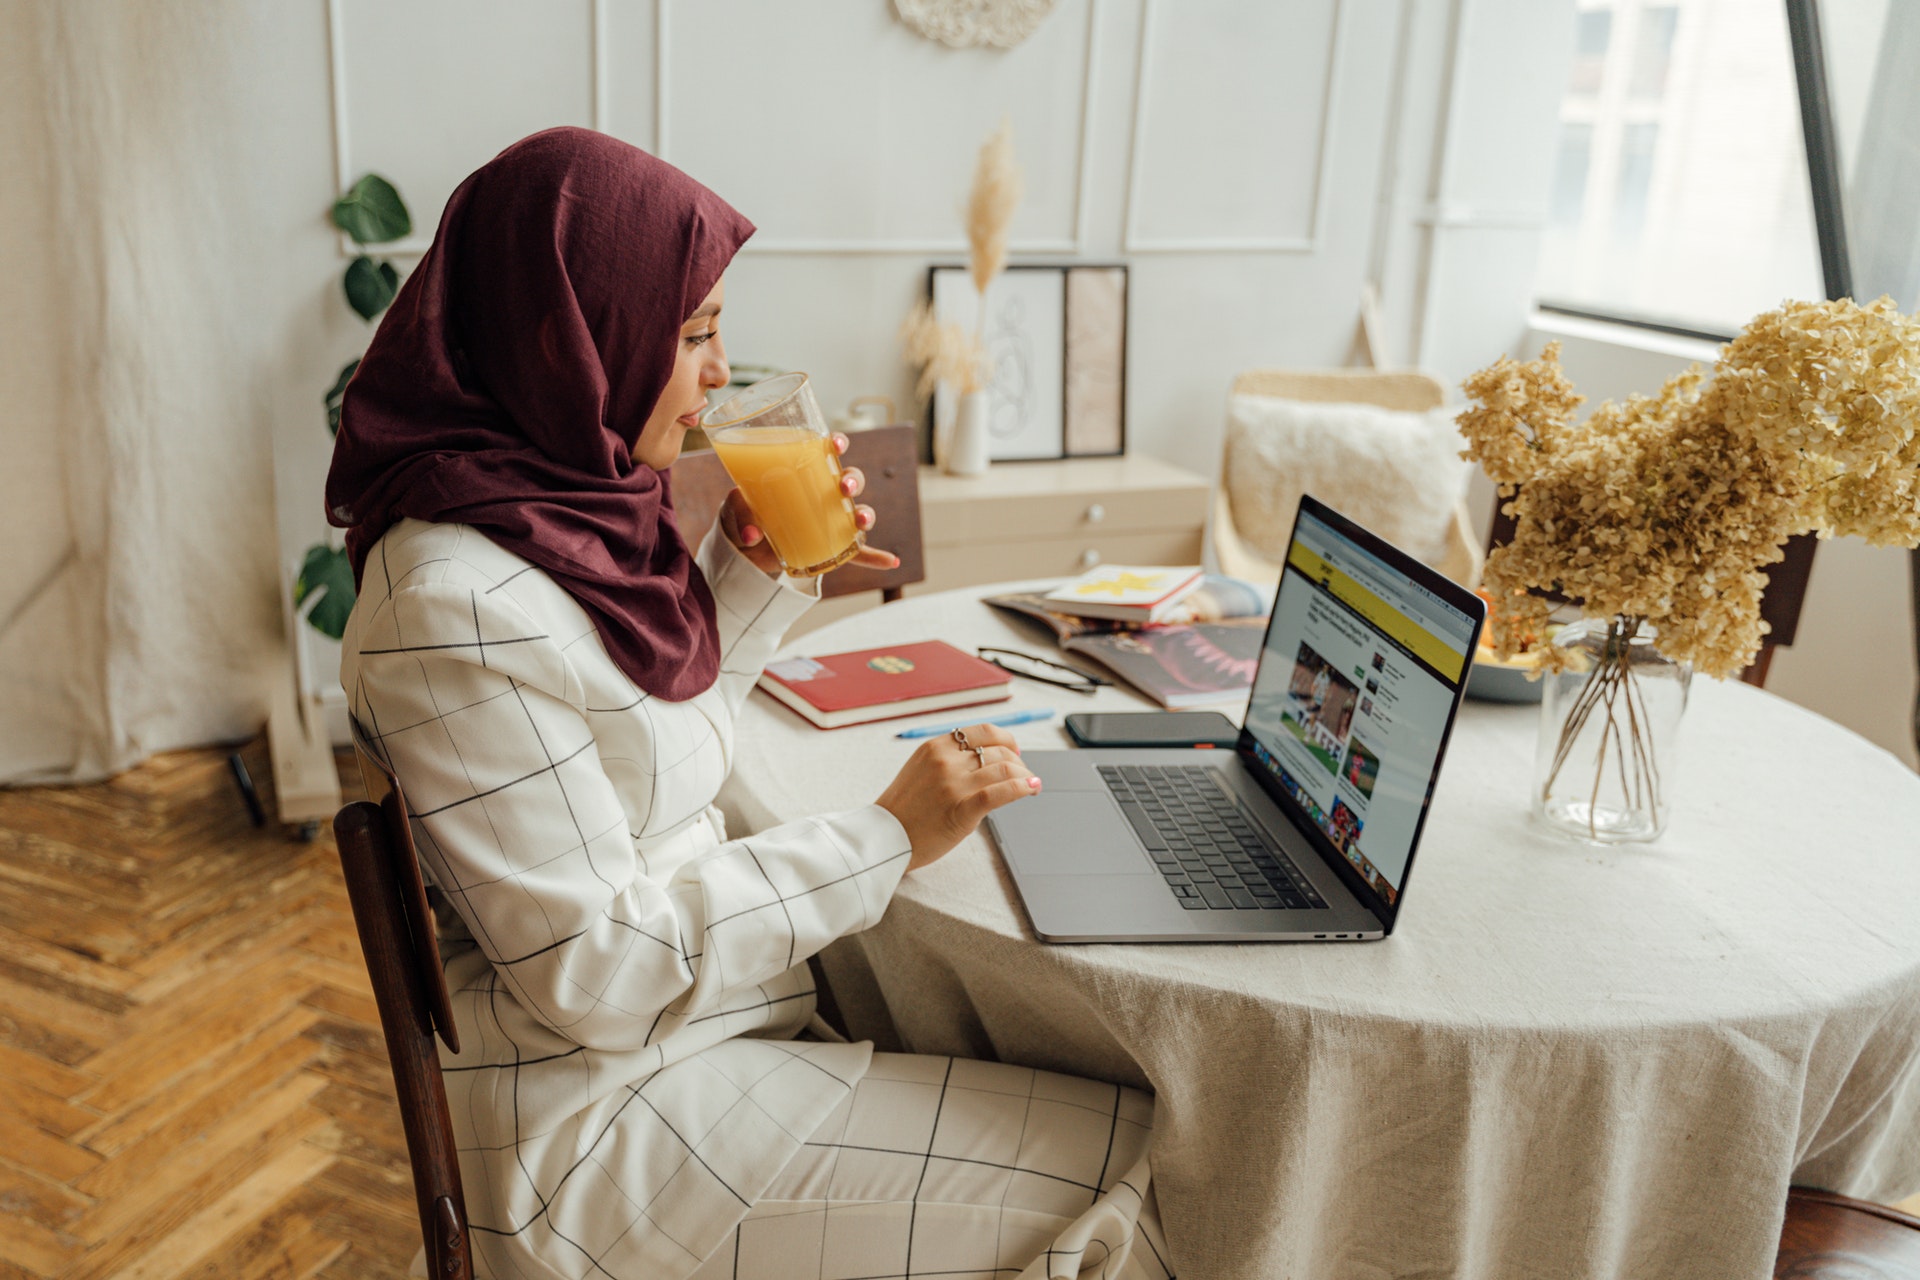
1353 696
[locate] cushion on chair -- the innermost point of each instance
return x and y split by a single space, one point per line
1400 474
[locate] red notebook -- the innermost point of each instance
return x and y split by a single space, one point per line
879 684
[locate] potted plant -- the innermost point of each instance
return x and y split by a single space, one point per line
370 212
1657 515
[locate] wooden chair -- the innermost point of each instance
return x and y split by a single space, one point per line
390 910
1834 1237
1401 390
1780 603
890 457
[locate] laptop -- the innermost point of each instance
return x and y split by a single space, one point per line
1306 830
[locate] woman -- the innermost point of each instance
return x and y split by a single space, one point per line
553 676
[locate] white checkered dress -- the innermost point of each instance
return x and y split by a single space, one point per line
626 981
942 1167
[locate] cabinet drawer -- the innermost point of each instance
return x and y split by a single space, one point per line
1002 561
1089 516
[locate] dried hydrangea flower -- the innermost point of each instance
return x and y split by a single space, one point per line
1666 508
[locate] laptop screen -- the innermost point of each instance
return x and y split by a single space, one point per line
1354 696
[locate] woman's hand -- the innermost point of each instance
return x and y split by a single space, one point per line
743 531
944 789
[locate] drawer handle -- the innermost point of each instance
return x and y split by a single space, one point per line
1096 513
1089 558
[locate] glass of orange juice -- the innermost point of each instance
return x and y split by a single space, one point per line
772 439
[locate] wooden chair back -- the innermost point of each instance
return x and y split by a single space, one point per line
1402 390
1834 1237
890 458
1913 599
395 922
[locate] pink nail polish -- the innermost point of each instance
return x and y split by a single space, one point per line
1033 783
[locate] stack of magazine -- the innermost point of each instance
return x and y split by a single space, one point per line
1202 651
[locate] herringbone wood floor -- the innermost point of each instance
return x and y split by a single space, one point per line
192 1079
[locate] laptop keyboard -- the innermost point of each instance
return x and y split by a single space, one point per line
1211 855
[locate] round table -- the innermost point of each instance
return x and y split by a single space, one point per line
1566 1061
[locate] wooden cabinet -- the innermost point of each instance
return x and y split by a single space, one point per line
1053 519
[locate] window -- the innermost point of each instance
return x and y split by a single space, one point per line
1591 30
1637 141
1653 50
1570 174
1680 191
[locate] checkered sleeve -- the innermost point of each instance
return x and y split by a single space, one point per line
754 612
480 715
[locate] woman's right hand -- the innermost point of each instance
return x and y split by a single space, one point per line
944 789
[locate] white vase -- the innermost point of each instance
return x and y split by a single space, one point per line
967 443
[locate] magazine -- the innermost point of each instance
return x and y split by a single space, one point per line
1204 653
1181 666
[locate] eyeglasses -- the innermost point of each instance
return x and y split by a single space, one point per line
1036 668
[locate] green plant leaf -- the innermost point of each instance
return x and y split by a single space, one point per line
372 212
337 393
370 286
326 569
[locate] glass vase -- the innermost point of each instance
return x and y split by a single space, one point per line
1604 768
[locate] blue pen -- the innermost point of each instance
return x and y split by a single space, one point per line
1017 717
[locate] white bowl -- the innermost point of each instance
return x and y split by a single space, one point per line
1498 682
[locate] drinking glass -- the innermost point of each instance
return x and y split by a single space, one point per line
772 439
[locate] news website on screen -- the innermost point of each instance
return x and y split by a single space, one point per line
1353 696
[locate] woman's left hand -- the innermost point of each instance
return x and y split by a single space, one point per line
743 530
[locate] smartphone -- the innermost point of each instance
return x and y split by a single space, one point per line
1152 729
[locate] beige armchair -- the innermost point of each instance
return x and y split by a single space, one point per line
1401 390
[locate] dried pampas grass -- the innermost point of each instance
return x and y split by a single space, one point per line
944 352
990 205
947 352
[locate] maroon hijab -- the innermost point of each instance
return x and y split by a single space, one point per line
509 380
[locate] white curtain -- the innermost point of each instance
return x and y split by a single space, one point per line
139 594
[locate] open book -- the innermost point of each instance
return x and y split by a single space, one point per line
1135 594
1205 653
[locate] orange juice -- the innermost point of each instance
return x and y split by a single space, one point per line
791 478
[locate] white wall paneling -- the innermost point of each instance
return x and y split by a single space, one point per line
813 89
859 136
1233 123
427 91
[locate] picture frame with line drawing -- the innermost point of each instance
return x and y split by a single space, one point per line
1055 342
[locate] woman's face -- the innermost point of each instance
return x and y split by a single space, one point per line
700 364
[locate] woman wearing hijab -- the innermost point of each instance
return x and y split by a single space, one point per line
553 675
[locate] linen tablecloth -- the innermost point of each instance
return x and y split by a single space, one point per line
1567 1061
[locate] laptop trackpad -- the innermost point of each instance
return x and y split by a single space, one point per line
1069 833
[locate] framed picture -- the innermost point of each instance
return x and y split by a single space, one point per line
1096 361
1055 338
